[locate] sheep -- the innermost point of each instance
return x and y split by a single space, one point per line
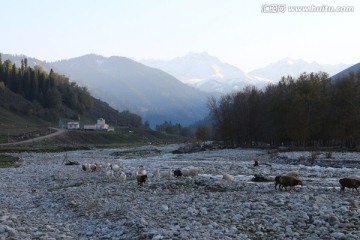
228 177
95 167
115 167
122 177
289 181
349 183
156 172
141 175
85 167
191 171
141 171
166 173
109 173
177 173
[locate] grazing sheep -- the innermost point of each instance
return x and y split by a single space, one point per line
141 171
177 173
156 172
349 183
122 177
166 173
85 167
115 167
95 167
289 181
141 175
109 173
191 171
228 177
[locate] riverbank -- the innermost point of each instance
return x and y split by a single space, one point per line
44 199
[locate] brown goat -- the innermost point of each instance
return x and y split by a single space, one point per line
289 181
349 183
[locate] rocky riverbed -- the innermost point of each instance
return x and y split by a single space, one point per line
45 199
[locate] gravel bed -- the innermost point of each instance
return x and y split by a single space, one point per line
45 199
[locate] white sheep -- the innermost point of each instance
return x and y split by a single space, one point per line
228 177
122 177
109 171
86 167
166 173
156 172
191 171
141 171
95 167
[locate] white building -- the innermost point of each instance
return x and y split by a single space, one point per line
73 125
100 125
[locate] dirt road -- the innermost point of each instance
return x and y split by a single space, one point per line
59 131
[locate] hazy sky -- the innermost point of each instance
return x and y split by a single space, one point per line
235 31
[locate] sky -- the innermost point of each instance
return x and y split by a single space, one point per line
235 31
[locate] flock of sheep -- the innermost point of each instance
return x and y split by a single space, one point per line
140 174
290 179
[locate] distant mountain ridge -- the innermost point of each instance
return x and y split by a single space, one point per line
206 73
210 74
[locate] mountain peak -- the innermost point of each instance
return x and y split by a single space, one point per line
205 72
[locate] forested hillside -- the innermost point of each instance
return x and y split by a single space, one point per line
51 96
311 110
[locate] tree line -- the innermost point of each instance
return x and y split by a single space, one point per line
173 128
311 110
50 90
53 96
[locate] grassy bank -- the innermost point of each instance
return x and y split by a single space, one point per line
75 140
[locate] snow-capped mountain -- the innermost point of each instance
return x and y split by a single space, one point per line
206 73
210 74
294 67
